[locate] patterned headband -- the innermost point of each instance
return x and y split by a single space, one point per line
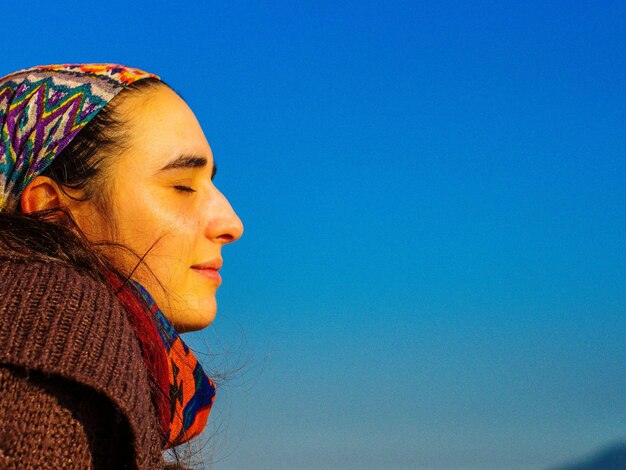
42 109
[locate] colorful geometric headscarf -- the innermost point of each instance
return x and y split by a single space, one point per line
41 111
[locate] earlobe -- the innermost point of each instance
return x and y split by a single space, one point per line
41 194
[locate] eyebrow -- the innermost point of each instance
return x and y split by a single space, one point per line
188 161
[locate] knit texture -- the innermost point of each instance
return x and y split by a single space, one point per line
68 351
67 425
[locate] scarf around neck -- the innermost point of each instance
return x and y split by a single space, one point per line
191 391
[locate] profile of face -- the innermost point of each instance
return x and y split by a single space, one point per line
164 204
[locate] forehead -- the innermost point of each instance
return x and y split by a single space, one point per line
161 125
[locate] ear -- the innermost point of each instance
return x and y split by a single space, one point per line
41 193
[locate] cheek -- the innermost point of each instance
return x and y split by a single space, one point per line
148 221
161 227
95 222
166 241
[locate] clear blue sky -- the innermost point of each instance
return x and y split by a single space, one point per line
433 273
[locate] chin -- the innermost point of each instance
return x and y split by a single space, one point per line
194 319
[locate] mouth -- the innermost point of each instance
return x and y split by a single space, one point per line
210 270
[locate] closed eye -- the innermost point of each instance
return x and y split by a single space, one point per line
184 189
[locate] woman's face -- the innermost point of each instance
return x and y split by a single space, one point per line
163 202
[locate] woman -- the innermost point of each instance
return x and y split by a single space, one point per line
111 232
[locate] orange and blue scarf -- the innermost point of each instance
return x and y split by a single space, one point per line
191 392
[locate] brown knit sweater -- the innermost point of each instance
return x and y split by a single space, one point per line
74 390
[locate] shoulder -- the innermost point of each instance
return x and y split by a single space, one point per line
68 326
58 320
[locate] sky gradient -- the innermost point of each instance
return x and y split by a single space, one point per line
433 270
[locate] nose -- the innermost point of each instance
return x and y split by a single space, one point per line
224 226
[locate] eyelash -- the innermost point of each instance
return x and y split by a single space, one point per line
184 189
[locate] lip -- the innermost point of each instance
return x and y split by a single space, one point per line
210 270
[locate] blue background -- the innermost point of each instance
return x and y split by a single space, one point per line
434 266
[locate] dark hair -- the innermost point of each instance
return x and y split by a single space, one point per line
54 235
